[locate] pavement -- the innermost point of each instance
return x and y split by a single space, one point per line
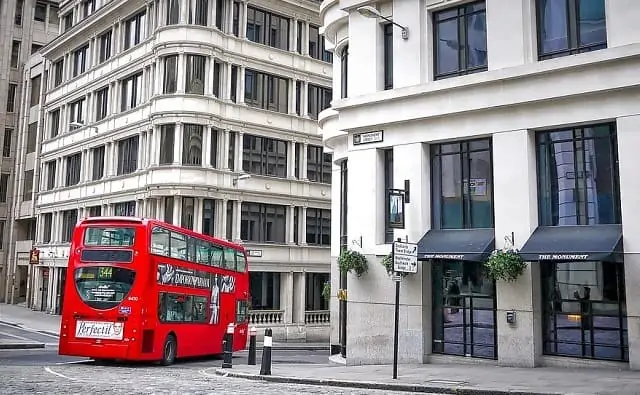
451 379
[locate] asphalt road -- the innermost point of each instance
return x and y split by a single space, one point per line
43 371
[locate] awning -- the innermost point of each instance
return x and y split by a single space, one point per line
473 245
574 243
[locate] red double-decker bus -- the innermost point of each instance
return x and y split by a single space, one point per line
146 290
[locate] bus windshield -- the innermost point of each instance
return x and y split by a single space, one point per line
111 236
103 287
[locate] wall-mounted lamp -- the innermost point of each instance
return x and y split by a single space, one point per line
235 180
368 11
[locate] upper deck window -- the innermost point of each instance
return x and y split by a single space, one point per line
109 236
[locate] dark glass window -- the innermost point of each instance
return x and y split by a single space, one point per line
464 310
388 184
98 163
262 223
267 28
232 151
103 287
236 19
265 156
47 219
128 155
198 12
266 91
69 219
131 92
578 176
188 212
40 12
233 95
173 12
585 310
105 46
319 99
55 122
219 14
316 45
462 185
58 73
74 165
192 144
80 60
194 80
388 56
208 217
170 81
125 209
182 308
318 164
6 142
460 36
167 142
214 148
168 209
318 226
134 31
567 27
344 71
229 211
51 174
102 103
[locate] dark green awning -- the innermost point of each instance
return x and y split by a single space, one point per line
474 245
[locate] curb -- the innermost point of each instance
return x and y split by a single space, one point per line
374 385
21 346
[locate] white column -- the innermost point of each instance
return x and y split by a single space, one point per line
206 137
237 213
240 93
293 35
303 162
197 221
184 7
290 224
238 150
177 210
228 19
181 74
302 226
242 33
177 148
222 217
227 81
305 43
159 212
224 150
293 84
141 146
286 296
304 99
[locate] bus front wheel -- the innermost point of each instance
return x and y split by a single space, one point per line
169 350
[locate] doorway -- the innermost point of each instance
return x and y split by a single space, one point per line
464 309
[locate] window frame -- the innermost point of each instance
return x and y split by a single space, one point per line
255 151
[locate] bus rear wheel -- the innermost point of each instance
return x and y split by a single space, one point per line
169 350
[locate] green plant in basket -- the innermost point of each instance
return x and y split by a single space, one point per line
326 290
505 265
387 262
353 262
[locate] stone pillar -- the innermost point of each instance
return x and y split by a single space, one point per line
515 192
291 159
206 146
241 82
237 220
197 221
290 224
303 162
238 150
299 297
302 226
286 296
293 35
628 140
242 28
177 148
224 150
181 74
221 213
177 210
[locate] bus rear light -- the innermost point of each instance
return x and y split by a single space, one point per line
77 251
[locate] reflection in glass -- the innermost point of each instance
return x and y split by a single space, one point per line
464 317
585 310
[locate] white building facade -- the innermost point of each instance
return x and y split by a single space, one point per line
505 123
195 113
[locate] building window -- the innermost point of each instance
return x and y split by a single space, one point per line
69 219
464 310
318 226
54 118
32 137
462 185
80 60
219 14
267 28
319 99
167 142
35 91
213 157
73 169
89 7
40 12
95 211
262 223
460 36
125 209
128 155
4 187
232 151
15 53
578 180
58 72
188 212
131 92
105 46
318 165
234 83
6 143
388 56
102 102
170 82
316 45
194 75
198 12
47 220
216 78
299 33
53 14
11 97
236 19
266 91
192 145
68 21
17 16
35 48
388 184
27 189
208 217
567 27
173 12
264 288
98 163
264 156
585 310
76 112
51 174
134 30
168 209
344 71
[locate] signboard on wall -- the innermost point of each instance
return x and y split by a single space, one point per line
368 137
34 256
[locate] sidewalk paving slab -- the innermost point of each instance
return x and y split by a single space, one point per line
452 379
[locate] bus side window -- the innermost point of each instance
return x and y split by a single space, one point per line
229 258
241 263
160 241
216 255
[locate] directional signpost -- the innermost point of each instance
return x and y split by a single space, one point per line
405 260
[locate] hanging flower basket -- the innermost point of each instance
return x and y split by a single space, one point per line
387 262
505 265
326 290
353 262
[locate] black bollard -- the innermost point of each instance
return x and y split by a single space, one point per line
252 345
227 362
265 367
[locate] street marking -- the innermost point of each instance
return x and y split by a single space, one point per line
74 362
14 336
27 329
49 370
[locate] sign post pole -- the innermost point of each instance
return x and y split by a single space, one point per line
405 260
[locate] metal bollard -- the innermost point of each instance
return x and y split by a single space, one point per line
265 367
227 363
252 345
